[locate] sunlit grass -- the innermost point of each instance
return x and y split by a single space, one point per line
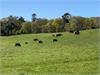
75 54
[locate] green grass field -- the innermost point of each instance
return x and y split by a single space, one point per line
72 54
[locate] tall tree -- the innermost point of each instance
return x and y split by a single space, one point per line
8 25
21 19
9 28
26 27
57 24
33 17
66 17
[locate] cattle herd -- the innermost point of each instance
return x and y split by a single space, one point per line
54 40
76 32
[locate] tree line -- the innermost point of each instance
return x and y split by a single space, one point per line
14 25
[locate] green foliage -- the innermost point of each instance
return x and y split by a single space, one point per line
21 20
57 24
42 25
26 27
72 24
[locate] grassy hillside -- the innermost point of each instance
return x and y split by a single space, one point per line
75 54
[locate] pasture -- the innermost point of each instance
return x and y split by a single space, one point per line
71 54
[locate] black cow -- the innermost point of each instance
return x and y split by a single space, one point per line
58 35
26 42
17 44
71 31
93 27
55 40
40 41
35 39
18 33
77 32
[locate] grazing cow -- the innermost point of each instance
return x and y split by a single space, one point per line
40 41
18 33
71 31
17 44
55 40
77 32
93 27
35 39
58 35
26 42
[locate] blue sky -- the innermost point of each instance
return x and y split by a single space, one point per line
49 8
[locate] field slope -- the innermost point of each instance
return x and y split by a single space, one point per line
71 54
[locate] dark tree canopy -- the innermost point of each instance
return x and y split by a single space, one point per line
21 19
13 25
33 17
66 17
